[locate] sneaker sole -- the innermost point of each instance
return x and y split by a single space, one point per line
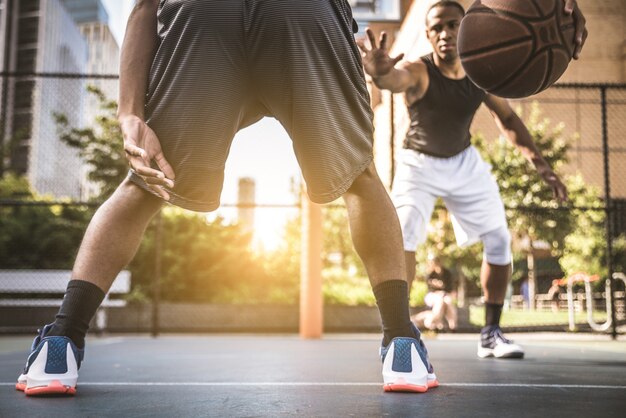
401 386
55 387
433 384
485 353
515 354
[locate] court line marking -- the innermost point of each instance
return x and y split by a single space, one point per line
304 384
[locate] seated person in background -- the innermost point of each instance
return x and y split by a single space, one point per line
441 299
554 294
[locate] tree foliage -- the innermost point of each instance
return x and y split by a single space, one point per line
37 236
100 146
206 261
533 214
585 247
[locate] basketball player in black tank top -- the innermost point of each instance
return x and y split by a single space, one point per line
439 161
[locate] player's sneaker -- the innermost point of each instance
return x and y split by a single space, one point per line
493 343
52 366
406 367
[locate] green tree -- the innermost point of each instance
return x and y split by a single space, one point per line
533 213
210 262
34 235
585 247
101 145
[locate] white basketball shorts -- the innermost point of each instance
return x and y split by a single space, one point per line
466 186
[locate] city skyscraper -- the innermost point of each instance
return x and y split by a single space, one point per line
39 36
92 20
51 36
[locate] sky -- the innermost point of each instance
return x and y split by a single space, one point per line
262 152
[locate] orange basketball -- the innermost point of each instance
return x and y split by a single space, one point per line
515 48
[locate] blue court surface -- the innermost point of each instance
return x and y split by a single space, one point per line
563 375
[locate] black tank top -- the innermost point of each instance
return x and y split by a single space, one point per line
441 119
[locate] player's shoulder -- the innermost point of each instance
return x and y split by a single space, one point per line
418 68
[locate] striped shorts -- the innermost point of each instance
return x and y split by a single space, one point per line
224 64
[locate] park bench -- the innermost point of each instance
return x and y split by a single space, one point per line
45 288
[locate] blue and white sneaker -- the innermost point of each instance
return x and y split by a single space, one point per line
406 367
493 343
52 366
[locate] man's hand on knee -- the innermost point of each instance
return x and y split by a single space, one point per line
142 147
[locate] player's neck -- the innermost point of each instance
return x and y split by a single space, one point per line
451 69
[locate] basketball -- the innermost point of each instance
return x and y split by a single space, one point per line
515 48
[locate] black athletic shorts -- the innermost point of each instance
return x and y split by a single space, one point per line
224 64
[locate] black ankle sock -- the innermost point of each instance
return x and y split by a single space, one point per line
492 314
80 303
393 304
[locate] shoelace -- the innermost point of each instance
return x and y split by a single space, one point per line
497 333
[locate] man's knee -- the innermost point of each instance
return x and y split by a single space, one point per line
497 246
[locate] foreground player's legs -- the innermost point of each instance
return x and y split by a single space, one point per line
409 260
111 241
378 241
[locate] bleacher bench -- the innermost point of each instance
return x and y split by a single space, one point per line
45 288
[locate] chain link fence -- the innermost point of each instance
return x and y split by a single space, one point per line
210 273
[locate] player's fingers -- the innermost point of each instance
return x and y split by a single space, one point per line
370 36
383 40
579 35
559 190
397 59
579 46
569 6
150 175
166 168
361 44
563 195
134 151
153 178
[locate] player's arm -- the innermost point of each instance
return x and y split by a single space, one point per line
140 142
138 50
381 67
514 129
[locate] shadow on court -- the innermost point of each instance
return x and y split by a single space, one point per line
340 375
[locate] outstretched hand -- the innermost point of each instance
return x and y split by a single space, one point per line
376 60
580 35
142 146
552 179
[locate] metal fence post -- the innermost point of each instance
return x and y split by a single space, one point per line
156 287
608 204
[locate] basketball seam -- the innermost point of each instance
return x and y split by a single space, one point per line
546 77
516 16
534 2
500 45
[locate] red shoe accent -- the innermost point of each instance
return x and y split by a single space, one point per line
433 383
401 385
54 388
20 386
